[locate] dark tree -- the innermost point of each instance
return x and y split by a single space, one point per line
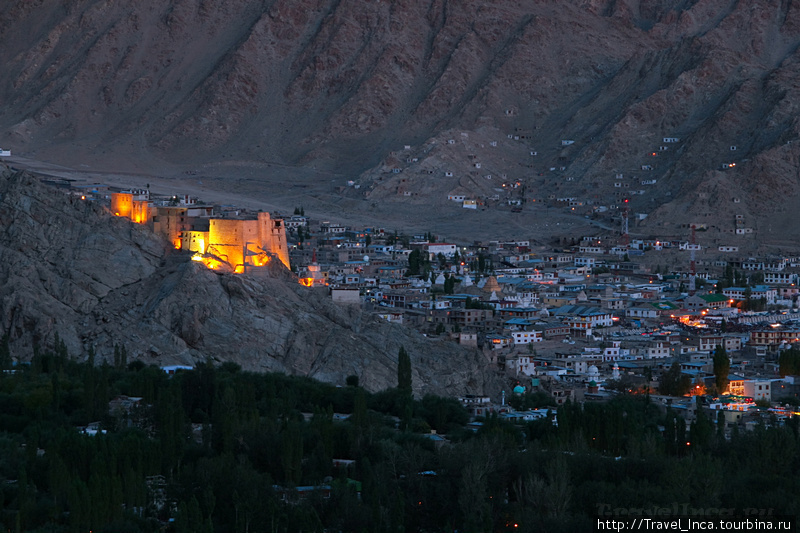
748 300
789 361
702 429
404 388
360 408
404 372
722 365
5 353
449 285
414 263
673 382
481 263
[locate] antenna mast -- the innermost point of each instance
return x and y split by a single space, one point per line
692 269
625 236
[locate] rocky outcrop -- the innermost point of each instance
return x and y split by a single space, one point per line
70 268
60 257
272 323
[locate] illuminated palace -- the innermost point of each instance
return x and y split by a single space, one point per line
239 245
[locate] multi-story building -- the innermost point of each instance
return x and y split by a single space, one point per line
770 336
584 318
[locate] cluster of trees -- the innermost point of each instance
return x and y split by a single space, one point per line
450 284
302 235
483 264
395 237
675 383
419 264
477 303
736 278
219 449
753 304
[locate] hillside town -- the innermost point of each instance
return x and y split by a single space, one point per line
578 321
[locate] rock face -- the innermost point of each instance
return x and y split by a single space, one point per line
339 85
70 268
59 259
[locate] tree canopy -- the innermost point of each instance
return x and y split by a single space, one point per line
112 447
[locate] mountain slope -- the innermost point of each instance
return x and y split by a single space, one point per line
324 85
71 269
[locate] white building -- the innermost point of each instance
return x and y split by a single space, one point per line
757 292
526 337
434 249
589 262
758 389
657 350
612 353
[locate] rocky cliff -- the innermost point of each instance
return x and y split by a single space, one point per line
70 268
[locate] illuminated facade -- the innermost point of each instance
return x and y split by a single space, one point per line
314 277
194 241
247 243
134 205
121 203
234 244
171 222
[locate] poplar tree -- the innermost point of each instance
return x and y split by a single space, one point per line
404 388
722 365
5 353
404 372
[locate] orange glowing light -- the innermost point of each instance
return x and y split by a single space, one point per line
177 244
208 261
306 282
260 260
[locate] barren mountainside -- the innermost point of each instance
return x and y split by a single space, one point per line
321 92
71 269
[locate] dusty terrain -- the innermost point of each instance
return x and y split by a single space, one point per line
260 192
283 102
